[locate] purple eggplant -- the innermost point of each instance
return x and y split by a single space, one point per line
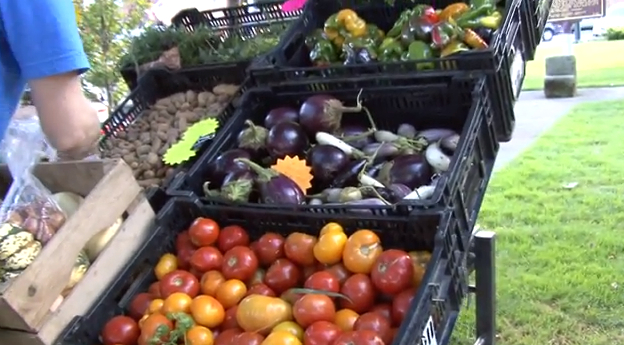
326 161
274 187
356 136
412 171
286 139
372 203
400 190
253 138
349 175
225 164
281 114
323 113
381 151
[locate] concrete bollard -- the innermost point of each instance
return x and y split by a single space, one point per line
560 78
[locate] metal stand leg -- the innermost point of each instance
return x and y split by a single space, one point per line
485 270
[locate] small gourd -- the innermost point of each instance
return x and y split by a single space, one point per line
81 266
18 249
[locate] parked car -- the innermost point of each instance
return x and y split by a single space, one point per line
550 30
613 19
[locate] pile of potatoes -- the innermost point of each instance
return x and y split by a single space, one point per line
144 142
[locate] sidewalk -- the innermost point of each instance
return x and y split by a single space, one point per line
535 114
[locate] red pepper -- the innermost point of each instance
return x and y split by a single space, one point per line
431 15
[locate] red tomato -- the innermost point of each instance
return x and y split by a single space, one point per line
312 308
375 322
227 336
248 338
230 319
321 333
282 275
206 259
299 248
232 236
183 241
139 305
359 338
269 248
121 330
360 293
204 232
179 281
260 289
340 272
401 304
239 263
392 272
184 255
154 289
324 281
257 277
385 309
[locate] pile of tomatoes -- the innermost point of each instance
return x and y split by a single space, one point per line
220 288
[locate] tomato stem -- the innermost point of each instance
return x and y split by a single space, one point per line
319 292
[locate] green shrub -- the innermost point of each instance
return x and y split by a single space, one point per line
615 34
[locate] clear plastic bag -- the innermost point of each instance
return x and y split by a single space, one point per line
29 204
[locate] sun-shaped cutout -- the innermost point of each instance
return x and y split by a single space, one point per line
297 170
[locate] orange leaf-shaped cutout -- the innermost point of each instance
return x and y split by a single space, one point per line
297 170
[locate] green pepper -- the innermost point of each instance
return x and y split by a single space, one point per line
374 33
419 50
390 50
472 16
442 34
398 25
315 36
493 21
323 53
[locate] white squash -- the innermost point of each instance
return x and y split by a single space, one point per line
68 202
97 243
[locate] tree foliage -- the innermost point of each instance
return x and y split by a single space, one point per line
105 27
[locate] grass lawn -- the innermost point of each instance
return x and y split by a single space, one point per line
598 63
560 252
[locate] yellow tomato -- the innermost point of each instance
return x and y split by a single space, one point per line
361 251
199 335
281 338
177 302
290 327
207 311
331 227
345 319
167 263
328 250
155 306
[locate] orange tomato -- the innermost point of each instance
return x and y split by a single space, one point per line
155 306
207 311
210 281
199 335
345 319
290 327
328 250
281 338
231 292
153 324
420 259
361 251
142 320
177 302
167 263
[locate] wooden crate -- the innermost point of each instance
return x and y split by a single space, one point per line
110 191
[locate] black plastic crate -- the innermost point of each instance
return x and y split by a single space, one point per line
460 102
292 61
159 83
433 309
244 21
536 15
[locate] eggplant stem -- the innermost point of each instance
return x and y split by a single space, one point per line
370 119
358 106
265 173
380 197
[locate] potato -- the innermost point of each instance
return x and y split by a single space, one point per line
205 98
225 89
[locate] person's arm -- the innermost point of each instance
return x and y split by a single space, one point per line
44 39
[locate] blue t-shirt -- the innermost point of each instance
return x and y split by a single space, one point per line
38 38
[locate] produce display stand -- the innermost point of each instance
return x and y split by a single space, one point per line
110 192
